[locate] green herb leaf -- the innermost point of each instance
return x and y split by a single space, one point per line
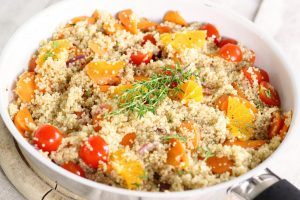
175 136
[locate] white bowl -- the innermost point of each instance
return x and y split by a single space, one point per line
25 41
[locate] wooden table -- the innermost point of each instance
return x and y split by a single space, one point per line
15 12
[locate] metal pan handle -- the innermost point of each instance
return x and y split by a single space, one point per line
266 186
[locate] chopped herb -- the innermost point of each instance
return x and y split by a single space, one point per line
207 153
175 136
203 79
88 93
145 96
268 93
137 184
144 176
47 55
181 172
55 44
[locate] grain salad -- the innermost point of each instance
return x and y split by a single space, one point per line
151 106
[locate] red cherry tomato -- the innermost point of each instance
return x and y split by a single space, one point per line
226 40
268 94
74 168
212 31
261 75
149 37
96 150
231 52
275 125
47 138
139 58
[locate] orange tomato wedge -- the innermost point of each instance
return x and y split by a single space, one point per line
126 17
144 24
189 126
175 17
219 165
177 155
112 29
21 120
26 86
190 91
163 29
255 144
128 169
104 73
128 139
95 16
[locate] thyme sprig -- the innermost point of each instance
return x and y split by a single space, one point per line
146 95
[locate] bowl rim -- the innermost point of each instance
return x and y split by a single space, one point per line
180 194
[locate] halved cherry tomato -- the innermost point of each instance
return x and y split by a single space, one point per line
226 40
261 75
231 52
253 57
219 165
32 64
128 139
74 168
47 138
268 94
212 31
168 69
95 151
139 58
275 125
149 37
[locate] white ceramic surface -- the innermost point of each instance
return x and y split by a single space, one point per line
24 42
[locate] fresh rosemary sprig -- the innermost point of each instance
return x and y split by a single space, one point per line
146 95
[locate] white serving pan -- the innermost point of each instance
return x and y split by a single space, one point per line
24 42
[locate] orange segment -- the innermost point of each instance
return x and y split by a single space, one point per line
21 120
126 17
128 139
163 29
182 40
26 86
128 169
219 165
241 118
177 155
104 73
144 24
255 144
175 17
190 91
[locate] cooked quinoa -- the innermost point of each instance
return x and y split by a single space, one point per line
217 119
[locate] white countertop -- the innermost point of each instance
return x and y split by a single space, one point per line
15 12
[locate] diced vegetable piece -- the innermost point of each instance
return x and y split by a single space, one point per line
26 86
226 40
286 125
141 78
32 64
219 165
183 40
104 88
253 57
212 31
54 49
96 48
275 125
127 19
163 29
149 37
112 29
189 126
128 139
74 168
139 58
268 94
231 52
21 120
95 152
79 19
95 16
255 144
191 90
175 17
222 102
241 117
177 155
98 116
144 24
254 73
47 138
104 73
130 170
